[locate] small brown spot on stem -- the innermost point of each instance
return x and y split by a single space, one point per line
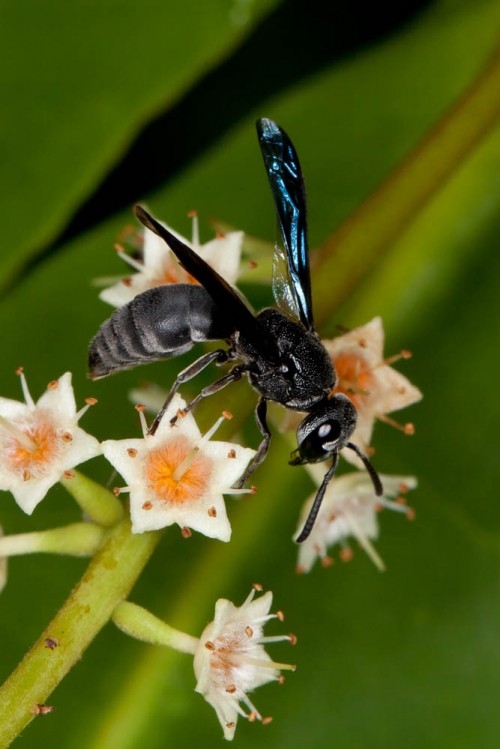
41 709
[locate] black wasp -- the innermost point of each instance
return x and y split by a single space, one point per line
277 349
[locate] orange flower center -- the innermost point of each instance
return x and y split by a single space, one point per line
176 472
171 273
355 378
224 658
34 454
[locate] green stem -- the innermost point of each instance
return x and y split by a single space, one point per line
140 623
108 580
352 251
76 539
98 503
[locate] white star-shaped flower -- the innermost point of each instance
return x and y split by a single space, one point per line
40 442
176 475
230 660
350 509
375 388
159 265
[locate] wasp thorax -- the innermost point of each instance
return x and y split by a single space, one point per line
302 373
326 430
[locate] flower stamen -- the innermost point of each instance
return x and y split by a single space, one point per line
408 428
132 261
389 360
24 385
19 435
364 541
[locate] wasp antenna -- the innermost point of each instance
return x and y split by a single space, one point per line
377 483
313 512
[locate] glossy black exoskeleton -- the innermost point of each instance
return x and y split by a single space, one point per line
277 349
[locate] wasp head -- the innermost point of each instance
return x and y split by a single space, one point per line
325 431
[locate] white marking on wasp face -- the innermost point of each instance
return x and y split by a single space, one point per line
324 430
329 447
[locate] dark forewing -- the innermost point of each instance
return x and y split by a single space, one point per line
287 185
219 289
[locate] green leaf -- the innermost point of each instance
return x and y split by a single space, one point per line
80 81
405 658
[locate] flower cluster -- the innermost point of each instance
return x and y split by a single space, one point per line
175 475
231 661
41 442
350 508
158 266
369 380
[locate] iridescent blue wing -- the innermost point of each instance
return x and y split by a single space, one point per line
292 286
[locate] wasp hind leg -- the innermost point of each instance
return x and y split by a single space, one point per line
220 356
232 376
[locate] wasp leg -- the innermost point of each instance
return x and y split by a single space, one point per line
232 376
260 455
220 356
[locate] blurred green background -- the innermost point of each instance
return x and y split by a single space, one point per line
106 103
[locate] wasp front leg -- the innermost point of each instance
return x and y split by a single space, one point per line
262 450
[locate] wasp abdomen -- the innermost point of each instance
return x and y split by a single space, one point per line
159 323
